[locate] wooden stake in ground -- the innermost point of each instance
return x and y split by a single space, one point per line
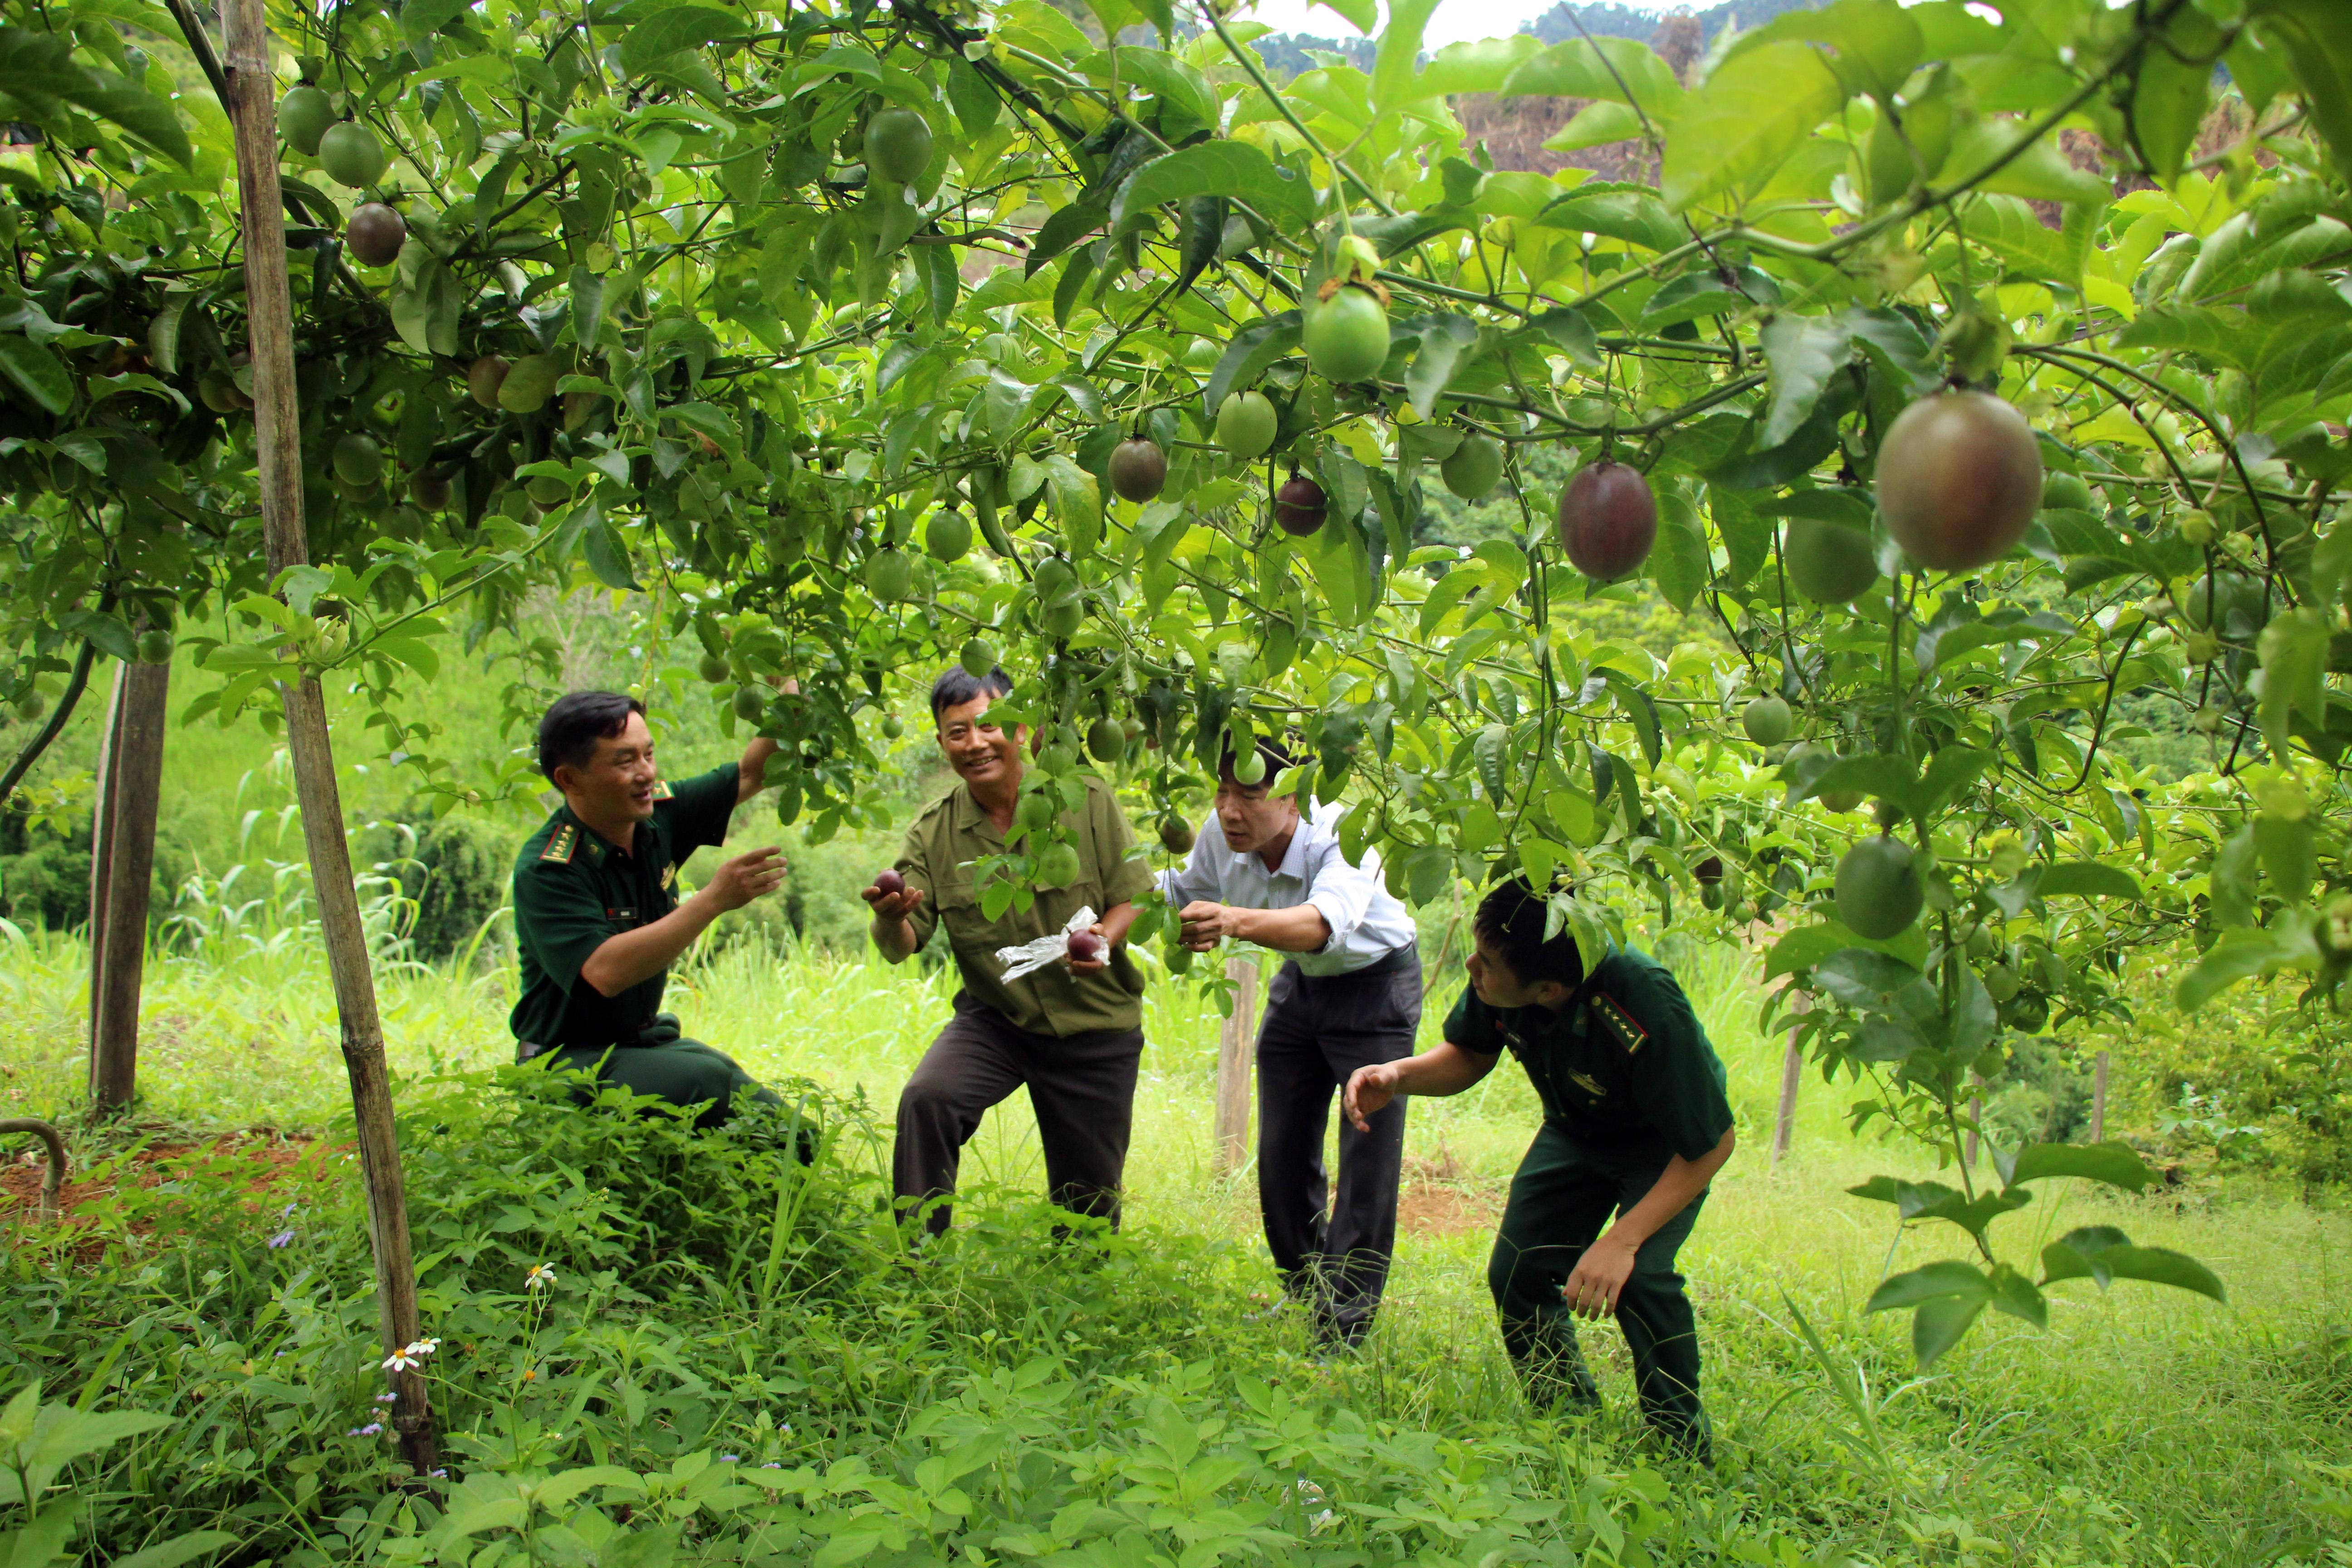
2099 1098
1793 1074
124 857
253 108
1236 1065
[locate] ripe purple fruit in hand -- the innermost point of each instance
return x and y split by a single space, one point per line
1608 521
890 884
1086 947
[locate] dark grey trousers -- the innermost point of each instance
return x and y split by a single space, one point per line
1081 1085
1333 1251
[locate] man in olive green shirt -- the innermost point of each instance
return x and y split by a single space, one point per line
1072 1032
1636 1123
597 916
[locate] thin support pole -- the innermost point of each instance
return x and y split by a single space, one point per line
1236 1066
101 849
2099 1098
1792 1075
136 761
277 416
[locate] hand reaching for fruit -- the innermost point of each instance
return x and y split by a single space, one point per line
890 897
1090 951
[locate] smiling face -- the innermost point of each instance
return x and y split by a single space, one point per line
615 784
984 755
1250 818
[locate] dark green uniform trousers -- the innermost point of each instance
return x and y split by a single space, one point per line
665 1064
1564 1195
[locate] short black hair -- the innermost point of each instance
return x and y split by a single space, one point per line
1277 754
1512 916
957 686
568 735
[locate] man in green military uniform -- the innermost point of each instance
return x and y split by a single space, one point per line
1636 1123
597 916
1072 1032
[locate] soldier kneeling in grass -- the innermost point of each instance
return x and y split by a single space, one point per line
1636 1123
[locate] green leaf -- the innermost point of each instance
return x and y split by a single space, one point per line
1215 169
1938 1325
2116 1164
2242 954
1623 70
37 372
1362 15
1254 347
1681 563
1752 113
1480 67
1176 84
178 1549
1597 124
2009 229
1801 354
2317 35
2294 652
2169 89
1631 213
601 548
1444 339
2015 1294
2289 854
1873 46
2088 880
1949 1279
2041 172
1393 83
665 33
2161 1266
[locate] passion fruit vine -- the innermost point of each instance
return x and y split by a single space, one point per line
1960 477
1608 521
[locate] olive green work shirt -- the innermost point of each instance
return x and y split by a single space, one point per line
1623 1065
574 890
953 831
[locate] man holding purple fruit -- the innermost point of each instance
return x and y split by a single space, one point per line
1072 1032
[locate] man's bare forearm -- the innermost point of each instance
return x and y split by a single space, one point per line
751 773
1447 1069
638 955
1299 928
1671 1193
895 938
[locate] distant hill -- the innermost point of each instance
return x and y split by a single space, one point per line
1556 26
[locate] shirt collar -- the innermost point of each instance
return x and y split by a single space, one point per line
1294 858
599 848
971 817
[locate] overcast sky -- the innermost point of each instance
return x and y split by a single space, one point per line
1453 21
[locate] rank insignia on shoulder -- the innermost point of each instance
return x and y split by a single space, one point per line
661 789
1621 1024
669 874
561 844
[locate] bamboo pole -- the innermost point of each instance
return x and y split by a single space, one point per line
1236 1065
2099 1098
276 418
134 787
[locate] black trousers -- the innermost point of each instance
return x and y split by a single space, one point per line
1081 1085
1332 1250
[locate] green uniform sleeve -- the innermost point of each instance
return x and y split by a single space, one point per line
1124 876
914 863
1473 1027
559 918
1678 1080
697 812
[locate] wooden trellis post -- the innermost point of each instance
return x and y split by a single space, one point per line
252 100
2099 1098
1792 1075
122 868
1236 1066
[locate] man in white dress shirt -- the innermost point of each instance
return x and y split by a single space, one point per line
1350 996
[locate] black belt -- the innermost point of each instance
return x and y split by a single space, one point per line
1396 961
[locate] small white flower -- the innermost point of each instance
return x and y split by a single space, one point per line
400 1360
424 1348
541 1275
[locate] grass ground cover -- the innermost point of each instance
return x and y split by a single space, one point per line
2144 1427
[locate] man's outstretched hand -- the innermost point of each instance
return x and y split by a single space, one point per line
1369 1089
892 906
747 876
1599 1278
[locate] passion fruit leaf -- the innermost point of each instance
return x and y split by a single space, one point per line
1801 352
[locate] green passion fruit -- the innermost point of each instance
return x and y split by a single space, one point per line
1475 468
1105 742
1829 562
1347 336
2067 492
1246 425
530 382
712 668
1608 521
1767 720
978 657
351 156
1960 477
1139 469
304 115
154 647
1063 617
2230 602
1878 890
948 536
897 145
483 379
751 706
889 575
357 459
1175 835
1057 866
893 726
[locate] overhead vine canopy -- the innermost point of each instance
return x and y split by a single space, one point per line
1964 368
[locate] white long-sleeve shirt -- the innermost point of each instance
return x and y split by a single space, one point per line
1367 922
